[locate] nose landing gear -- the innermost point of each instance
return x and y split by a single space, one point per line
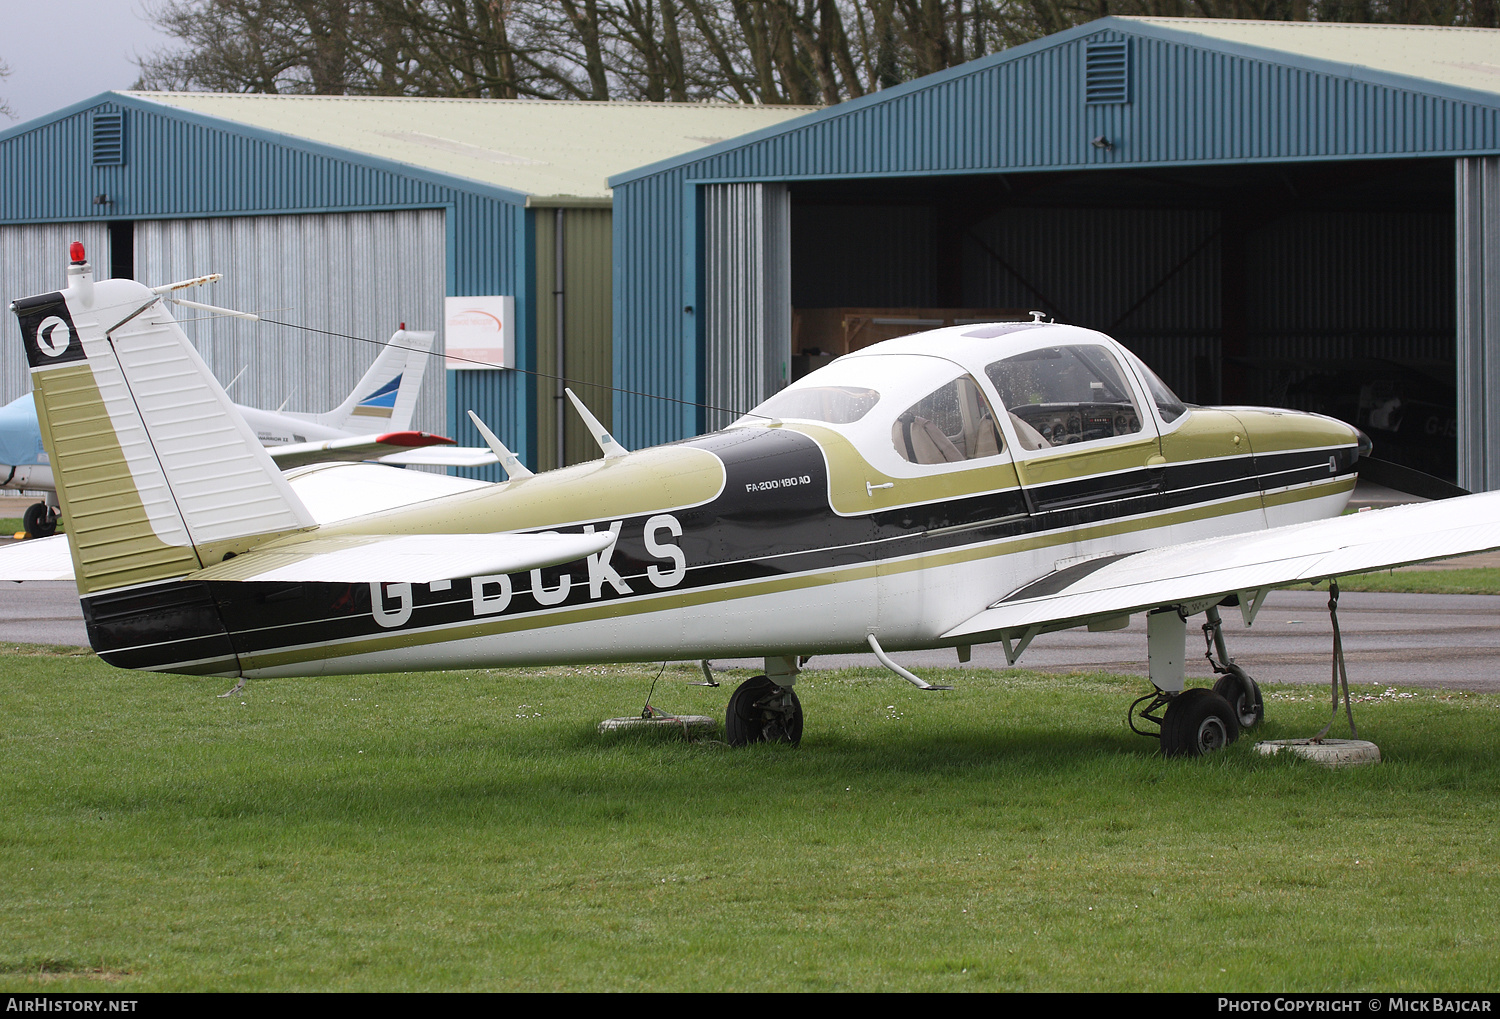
1196 721
1234 684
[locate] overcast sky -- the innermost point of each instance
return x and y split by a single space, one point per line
64 51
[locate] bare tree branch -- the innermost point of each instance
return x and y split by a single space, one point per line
5 110
755 51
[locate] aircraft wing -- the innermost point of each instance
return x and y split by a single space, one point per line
1245 564
413 558
355 447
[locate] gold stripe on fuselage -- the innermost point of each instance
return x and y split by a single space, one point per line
667 601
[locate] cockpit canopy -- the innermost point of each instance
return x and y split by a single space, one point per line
966 393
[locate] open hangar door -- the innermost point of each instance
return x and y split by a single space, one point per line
1326 286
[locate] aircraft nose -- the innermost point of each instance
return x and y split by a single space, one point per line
1366 447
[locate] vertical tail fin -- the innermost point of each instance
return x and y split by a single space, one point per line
158 476
386 396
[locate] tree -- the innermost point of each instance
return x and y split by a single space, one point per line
5 109
752 51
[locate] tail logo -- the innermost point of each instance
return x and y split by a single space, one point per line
382 402
48 330
53 336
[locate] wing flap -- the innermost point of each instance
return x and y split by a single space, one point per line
1216 567
413 558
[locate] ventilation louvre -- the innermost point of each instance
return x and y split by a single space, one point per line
109 139
1106 76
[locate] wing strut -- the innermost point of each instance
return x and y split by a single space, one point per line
1013 654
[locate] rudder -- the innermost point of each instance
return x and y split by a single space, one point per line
156 473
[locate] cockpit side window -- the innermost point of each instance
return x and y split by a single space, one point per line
1057 396
838 405
951 424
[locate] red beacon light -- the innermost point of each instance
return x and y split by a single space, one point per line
75 252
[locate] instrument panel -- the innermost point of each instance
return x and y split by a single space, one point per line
1064 423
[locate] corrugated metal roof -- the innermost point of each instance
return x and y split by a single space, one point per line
1464 57
541 148
1396 73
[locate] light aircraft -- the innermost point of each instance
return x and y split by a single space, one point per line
384 399
969 484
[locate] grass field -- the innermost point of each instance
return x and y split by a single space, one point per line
1479 580
473 831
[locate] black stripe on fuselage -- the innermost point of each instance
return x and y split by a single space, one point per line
147 627
771 520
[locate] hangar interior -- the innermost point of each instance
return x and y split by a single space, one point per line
1325 286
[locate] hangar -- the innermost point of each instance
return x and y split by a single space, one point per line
1281 213
351 216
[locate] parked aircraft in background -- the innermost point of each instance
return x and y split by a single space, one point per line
970 484
373 423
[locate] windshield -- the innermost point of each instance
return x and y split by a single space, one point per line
1061 395
1058 375
1167 402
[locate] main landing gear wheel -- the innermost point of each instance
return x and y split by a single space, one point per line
1250 711
1197 722
39 520
761 712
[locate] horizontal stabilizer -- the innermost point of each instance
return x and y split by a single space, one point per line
412 558
443 456
1217 567
36 559
355 447
329 491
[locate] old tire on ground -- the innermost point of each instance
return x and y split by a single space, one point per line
1231 689
1332 753
685 724
39 521
1197 722
747 720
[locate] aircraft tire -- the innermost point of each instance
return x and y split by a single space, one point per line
1197 722
1231 689
38 522
744 723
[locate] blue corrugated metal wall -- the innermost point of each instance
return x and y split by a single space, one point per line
1192 102
180 164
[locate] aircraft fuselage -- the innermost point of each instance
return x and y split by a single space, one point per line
746 542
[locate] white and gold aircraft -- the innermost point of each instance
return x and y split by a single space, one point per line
965 485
